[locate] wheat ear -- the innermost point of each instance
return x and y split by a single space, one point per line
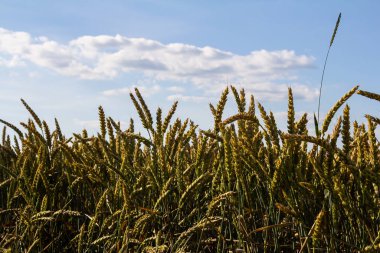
335 108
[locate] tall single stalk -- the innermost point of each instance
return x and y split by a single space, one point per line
324 67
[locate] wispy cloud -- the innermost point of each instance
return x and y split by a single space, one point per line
176 89
95 125
88 124
274 91
184 98
282 116
106 57
146 90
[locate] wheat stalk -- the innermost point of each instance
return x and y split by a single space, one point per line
327 56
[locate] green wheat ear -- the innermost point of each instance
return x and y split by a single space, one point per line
324 66
335 29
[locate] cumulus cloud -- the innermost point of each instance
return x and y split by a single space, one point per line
105 57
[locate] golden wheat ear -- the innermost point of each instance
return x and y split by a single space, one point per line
47 133
239 98
218 112
58 129
335 108
159 122
13 127
102 122
34 115
374 119
145 108
143 111
169 117
346 137
369 95
291 113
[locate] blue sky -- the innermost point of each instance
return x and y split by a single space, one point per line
66 58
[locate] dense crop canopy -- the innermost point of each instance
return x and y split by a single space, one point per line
242 186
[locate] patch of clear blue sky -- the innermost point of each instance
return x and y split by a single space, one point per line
236 26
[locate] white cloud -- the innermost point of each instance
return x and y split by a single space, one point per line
175 89
105 57
274 92
89 124
184 98
283 116
95 125
146 91
14 61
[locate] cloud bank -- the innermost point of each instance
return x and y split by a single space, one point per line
265 73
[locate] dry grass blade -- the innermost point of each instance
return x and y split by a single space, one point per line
262 229
286 209
32 246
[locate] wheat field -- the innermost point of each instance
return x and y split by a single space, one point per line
242 186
